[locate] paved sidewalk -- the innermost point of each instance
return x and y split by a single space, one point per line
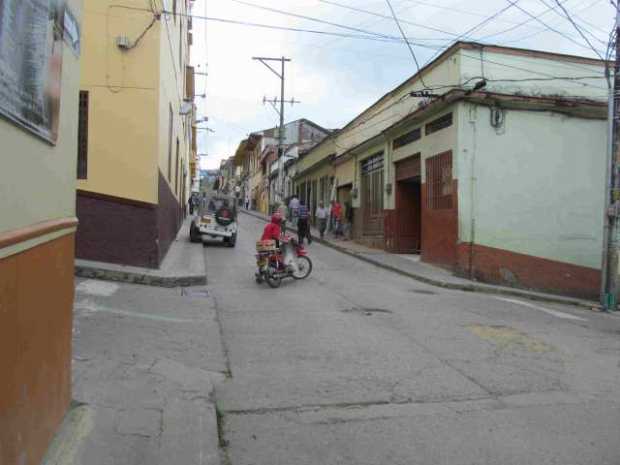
183 265
145 363
412 267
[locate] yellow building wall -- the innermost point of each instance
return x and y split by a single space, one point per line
123 100
321 151
345 172
130 95
37 179
173 29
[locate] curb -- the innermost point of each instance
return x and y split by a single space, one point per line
473 287
139 278
74 429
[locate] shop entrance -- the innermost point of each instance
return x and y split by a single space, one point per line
409 205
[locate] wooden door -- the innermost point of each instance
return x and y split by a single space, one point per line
408 205
408 216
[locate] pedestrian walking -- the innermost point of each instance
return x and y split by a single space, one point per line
293 208
348 220
283 212
322 215
303 226
336 214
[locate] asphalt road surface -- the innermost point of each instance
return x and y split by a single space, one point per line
358 365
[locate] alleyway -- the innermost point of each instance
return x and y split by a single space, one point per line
358 365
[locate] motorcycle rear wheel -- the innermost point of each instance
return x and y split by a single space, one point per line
304 268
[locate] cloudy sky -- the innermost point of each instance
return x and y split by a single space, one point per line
336 77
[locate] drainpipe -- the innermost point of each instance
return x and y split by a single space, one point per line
473 112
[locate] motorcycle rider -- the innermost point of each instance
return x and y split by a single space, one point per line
273 231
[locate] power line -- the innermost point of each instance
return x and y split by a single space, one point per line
540 73
361 10
371 36
537 19
578 29
365 37
457 10
540 31
477 26
406 41
310 18
564 17
527 21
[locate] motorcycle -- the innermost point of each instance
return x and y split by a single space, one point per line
289 261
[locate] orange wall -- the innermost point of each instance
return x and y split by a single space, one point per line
36 312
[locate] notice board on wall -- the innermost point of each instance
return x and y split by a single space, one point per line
31 44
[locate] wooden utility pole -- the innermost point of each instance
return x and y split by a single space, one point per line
610 283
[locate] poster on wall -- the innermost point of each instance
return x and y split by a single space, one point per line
31 42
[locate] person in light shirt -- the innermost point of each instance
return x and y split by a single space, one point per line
322 214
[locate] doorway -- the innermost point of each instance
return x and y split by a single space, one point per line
409 206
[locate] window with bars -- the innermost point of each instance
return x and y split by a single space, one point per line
372 193
407 138
82 159
439 181
438 124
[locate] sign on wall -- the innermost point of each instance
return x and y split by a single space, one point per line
31 42
72 32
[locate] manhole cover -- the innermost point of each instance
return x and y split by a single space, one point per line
423 291
196 293
366 311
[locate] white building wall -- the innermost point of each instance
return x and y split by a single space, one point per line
535 187
427 146
524 74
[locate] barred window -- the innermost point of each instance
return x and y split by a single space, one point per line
440 123
82 159
439 181
372 193
373 163
407 138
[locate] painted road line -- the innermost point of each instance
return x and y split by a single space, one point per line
93 308
97 288
566 316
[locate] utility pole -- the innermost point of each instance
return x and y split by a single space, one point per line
274 103
611 255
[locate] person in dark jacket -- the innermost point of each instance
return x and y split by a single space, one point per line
303 226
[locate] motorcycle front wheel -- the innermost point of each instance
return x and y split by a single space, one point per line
304 268
273 278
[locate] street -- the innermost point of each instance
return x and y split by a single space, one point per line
357 365
463 307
